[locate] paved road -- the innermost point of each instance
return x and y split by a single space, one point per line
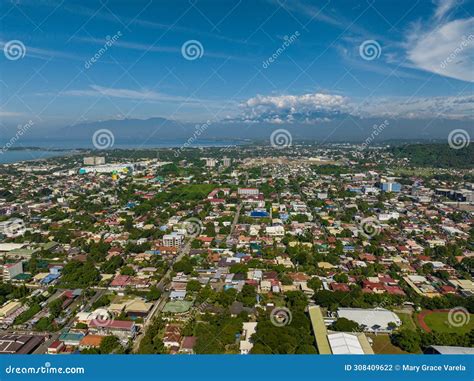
235 221
160 303
43 348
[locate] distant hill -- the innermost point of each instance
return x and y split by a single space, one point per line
437 155
340 129
130 129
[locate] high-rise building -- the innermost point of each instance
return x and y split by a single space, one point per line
390 187
211 162
226 161
11 270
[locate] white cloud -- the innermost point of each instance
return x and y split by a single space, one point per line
9 114
139 95
292 108
44 54
443 46
447 50
443 7
317 108
455 107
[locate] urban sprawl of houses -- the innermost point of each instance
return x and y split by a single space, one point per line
329 250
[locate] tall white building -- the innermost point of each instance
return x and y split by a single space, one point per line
211 162
226 161
11 270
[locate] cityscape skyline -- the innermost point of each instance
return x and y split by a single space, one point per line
289 63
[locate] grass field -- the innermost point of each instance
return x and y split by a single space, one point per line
407 321
383 346
438 321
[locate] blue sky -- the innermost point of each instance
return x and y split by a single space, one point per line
258 61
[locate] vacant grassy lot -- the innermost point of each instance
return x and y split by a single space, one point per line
383 346
407 321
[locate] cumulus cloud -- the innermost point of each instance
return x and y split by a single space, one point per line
447 48
317 107
293 108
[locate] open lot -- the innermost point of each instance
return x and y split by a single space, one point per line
383 346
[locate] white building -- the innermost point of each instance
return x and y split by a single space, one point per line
246 345
94 160
388 216
343 343
14 227
248 191
275 231
11 270
371 319
211 162
226 161
108 168
173 239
